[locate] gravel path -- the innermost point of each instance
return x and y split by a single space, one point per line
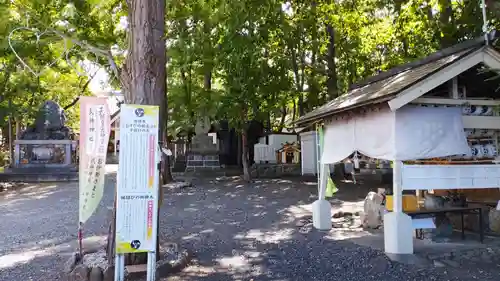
39 229
237 232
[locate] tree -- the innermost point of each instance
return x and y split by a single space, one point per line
267 61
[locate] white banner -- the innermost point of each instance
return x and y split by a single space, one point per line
94 138
138 179
409 133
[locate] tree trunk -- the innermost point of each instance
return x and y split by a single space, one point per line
239 159
281 126
244 155
143 76
332 68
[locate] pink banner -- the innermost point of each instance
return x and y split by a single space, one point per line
94 137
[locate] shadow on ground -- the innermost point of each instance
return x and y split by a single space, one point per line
250 232
39 229
237 231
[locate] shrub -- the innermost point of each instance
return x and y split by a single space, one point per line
4 158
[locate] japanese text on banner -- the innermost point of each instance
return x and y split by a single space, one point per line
94 138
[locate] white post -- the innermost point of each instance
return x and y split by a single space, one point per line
398 227
397 188
322 209
318 158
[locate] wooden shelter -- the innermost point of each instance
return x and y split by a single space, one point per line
412 115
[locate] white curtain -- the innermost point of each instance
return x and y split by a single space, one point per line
410 133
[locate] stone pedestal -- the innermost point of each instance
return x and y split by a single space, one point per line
322 215
45 151
398 233
203 154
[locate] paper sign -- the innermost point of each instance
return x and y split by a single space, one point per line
137 201
94 138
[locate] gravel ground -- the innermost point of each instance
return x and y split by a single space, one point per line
237 232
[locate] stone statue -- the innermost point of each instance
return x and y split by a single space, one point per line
49 124
202 143
373 210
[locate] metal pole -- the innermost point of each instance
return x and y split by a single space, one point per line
151 273
11 155
119 267
485 22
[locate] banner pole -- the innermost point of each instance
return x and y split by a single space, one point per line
80 239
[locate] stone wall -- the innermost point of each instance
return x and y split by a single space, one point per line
275 170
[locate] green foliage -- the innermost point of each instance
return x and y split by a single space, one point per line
4 159
38 39
266 60
270 60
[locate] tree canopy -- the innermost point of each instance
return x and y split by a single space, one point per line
267 60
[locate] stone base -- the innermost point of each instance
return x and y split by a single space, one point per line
34 175
275 170
398 233
94 267
322 215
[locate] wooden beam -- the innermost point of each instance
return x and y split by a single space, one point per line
445 101
431 82
481 122
492 58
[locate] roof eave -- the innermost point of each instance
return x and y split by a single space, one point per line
314 119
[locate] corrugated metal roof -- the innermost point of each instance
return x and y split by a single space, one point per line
381 90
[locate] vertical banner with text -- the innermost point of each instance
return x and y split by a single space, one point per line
94 137
138 179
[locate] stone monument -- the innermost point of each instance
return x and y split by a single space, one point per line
45 149
203 153
49 124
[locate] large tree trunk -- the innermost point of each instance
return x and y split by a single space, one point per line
332 68
143 76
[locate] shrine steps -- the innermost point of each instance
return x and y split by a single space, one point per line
35 175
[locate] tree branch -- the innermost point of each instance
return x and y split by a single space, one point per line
85 86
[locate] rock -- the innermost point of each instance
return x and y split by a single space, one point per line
373 210
71 263
96 274
183 260
433 202
494 220
163 268
80 273
109 273
338 214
